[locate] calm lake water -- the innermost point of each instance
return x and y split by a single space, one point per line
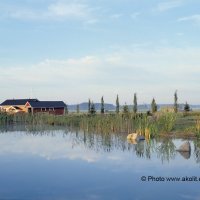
59 165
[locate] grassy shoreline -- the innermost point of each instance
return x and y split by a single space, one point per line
164 124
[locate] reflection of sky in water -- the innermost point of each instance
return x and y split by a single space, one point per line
77 166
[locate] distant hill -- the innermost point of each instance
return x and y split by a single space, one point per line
84 107
110 107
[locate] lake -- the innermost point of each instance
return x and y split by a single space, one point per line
62 164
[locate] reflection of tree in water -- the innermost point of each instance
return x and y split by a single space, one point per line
144 149
167 150
197 150
164 149
29 129
151 148
108 142
140 149
98 142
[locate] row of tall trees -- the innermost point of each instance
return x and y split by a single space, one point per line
154 107
91 106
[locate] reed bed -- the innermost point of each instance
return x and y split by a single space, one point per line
101 123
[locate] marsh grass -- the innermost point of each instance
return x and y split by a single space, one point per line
188 124
166 122
197 128
141 123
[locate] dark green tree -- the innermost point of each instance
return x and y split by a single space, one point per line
154 107
186 107
77 108
117 104
175 102
135 103
92 108
89 106
102 105
125 109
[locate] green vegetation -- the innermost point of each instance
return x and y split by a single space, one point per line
167 123
92 109
135 103
117 104
186 107
77 108
197 128
175 102
125 109
102 105
153 106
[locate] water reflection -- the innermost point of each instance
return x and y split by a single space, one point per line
63 163
185 154
57 144
197 150
167 150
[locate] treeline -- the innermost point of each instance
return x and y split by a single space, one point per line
122 120
134 108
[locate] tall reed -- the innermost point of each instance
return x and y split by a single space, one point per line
102 123
197 128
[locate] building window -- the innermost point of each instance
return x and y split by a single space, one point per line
43 109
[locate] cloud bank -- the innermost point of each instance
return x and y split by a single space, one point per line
57 10
121 72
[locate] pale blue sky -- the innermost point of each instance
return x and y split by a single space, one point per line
73 50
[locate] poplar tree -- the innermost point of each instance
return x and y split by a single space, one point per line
77 108
135 103
89 106
102 105
153 106
117 104
175 102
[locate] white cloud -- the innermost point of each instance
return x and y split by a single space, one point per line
168 5
154 72
59 10
69 10
66 146
72 147
42 146
194 18
48 70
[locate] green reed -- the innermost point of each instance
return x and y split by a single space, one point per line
100 123
166 121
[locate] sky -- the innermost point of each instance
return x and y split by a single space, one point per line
72 50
